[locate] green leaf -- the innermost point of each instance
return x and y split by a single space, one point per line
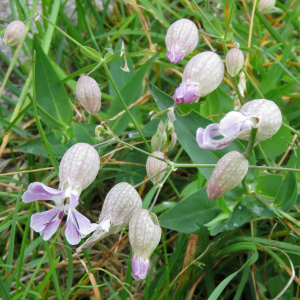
130 93
258 208
223 205
287 194
188 214
237 247
91 53
267 185
51 95
216 25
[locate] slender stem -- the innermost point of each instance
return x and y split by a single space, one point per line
252 82
100 63
149 178
125 106
30 18
160 187
167 265
105 142
38 268
263 154
140 150
271 206
61 31
251 142
229 19
290 128
206 19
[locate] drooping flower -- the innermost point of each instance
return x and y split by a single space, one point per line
78 169
154 165
144 236
228 173
266 5
264 114
181 40
234 61
89 94
202 74
14 33
119 205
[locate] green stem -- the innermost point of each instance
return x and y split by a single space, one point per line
38 268
205 18
125 106
290 128
252 82
167 264
229 19
61 31
263 154
159 189
251 142
38 122
149 178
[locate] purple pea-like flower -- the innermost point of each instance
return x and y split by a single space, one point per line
181 40
202 74
144 236
78 169
120 204
264 114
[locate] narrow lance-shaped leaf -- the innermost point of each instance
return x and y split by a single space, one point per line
51 95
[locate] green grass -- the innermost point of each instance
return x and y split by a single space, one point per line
248 253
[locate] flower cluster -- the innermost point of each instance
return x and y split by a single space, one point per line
122 206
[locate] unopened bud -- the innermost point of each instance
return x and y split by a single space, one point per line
228 173
14 33
89 94
173 140
202 74
78 167
159 142
154 165
266 5
119 205
234 61
181 40
144 236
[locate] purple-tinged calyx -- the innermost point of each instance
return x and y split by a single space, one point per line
186 93
174 56
140 267
144 235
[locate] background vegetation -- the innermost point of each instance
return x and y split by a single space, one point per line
250 253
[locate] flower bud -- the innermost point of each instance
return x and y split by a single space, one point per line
89 94
262 113
202 74
14 33
181 40
78 167
159 140
120 204
266 5
173 140
234 61
228 173
144 236
154 165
